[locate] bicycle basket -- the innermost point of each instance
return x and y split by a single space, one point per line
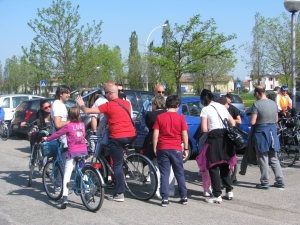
50 148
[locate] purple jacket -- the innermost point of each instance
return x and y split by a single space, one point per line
75 133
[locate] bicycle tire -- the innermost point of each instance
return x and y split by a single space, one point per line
92 195
102 169
33 159
287 157
4 133
137 169
53 180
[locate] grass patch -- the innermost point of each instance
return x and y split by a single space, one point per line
249 99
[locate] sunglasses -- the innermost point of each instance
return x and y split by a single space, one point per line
108 92
160 92
47 107
121 90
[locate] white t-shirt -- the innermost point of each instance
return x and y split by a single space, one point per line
101 100
59 109
211 114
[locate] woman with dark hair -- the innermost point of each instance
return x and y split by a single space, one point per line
43 122
220 153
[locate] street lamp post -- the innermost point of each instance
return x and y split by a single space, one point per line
98 70
293 6
146 48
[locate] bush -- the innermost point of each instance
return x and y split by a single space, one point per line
248 99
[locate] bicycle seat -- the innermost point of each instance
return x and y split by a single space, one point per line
78 158
126 146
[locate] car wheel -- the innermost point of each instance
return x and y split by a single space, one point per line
20 135
189 154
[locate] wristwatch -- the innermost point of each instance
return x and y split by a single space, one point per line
185 149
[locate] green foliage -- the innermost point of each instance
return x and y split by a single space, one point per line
135 79
61 45
186 47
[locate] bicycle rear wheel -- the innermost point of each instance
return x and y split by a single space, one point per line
4 132
287 157
53 180
140 176
101 164
33 158
92 194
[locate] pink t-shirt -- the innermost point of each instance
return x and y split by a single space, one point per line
75 132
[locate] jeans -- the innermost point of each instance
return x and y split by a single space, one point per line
116 146
166 159
264 160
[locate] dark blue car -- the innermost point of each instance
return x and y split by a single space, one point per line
191 108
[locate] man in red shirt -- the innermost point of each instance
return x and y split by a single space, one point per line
122 131
170 131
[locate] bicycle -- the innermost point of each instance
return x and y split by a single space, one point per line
88 182
289 138
140 173
36 159
4 132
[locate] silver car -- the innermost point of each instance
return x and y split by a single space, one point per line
236 100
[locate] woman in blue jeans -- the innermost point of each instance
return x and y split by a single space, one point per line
170 131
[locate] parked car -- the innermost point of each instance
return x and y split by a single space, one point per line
27 112
27 109
237 101
10 101
191 108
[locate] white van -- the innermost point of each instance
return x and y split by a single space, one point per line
11 101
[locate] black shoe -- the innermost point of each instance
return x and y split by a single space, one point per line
110 184
184 201
65 202
164 203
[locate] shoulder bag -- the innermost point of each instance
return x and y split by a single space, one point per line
234 133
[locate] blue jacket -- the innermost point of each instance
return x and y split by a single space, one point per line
266 138
2 113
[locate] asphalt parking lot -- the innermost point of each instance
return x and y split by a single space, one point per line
23 205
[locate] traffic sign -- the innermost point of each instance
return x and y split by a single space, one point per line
43 83
238 85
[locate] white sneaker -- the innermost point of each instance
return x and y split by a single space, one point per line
207 193
148 178
229 195
214 199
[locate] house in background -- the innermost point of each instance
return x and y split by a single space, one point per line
269 81
222 84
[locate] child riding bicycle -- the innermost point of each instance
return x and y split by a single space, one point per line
75 132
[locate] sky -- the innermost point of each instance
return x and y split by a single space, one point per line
122 17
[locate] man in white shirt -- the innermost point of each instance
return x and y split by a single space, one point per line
59 112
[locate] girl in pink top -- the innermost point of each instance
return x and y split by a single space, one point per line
75 132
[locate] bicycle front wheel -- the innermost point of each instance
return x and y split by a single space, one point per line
287 157
53 180
92 191
33 158
4 133
140 176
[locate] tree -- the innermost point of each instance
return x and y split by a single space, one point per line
59 42
135 79
187 44
258 62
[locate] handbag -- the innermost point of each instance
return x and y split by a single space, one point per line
233 133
